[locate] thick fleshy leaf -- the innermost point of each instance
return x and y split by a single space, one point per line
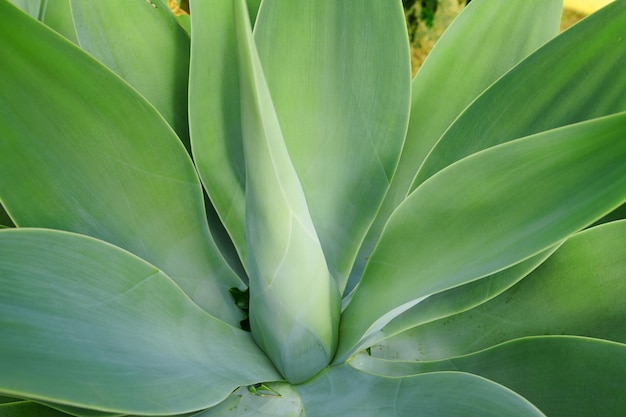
578 291
58 16
460 298
577 76
89 325
485 41
294 300
487 212
105 165
278 399
34 8
339 76
144 44
562 375
215 114
346 392
497 35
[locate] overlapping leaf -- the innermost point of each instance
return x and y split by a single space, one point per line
577 76
589 269
143 43
294 300
107 331
342 391
81 151
562 375
486 213
455 73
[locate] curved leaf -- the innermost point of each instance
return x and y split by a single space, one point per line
577 76
107 166
442 394
460 298
294 301
143 43
89 325
589 268
58 16
343 124
215 114
562 375
487 212
495 34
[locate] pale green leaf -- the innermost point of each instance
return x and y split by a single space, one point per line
339 76
577 76
294 301
34 8
346 392
486 213
83 152
564 376
144 44
578 291
460 298
89 325
486 40
278 399
57 15
215 114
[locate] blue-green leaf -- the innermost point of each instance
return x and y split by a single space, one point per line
89 325
488 212
82 151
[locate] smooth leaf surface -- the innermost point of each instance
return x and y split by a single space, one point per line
102 329
451 78
486 213
215 115
462 298
58 16
294 301
577 76
562 375
339 77
108 166
577 291
143 43
346 392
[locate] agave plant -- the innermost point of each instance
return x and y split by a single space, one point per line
263 215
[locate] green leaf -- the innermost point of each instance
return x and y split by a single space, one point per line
460 298
143 43
487 212
89 325
33 8
577 76
577 291
346 392
58 16
339 76
105 165
28 408
294 301
562 375
215 114
495 34
280 400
